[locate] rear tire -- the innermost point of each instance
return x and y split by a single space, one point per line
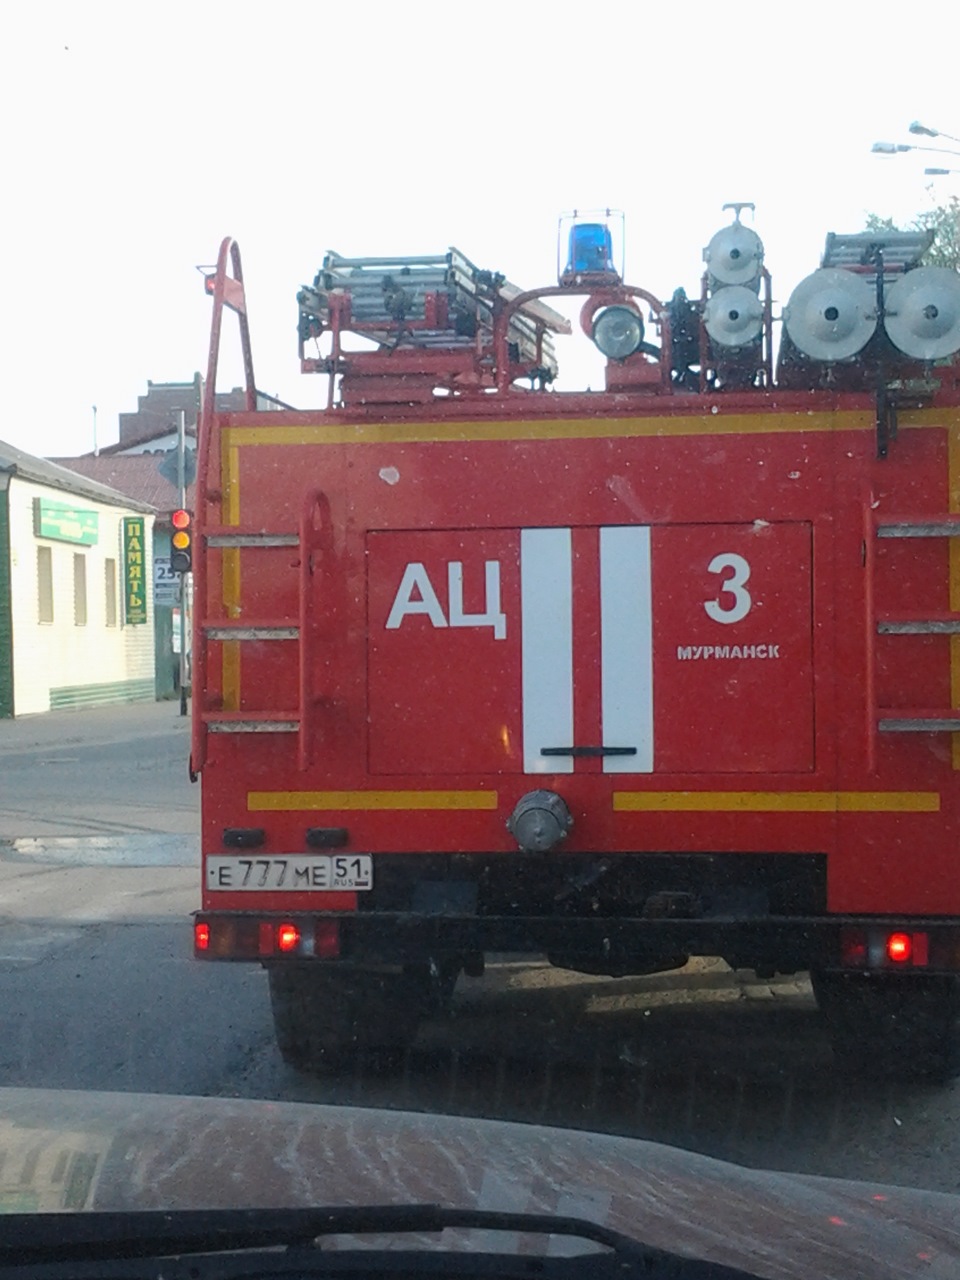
323 1016
892 1026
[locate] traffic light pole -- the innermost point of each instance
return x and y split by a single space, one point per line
182 500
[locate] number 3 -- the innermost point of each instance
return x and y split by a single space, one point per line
734 586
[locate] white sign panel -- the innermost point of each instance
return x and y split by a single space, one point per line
166 583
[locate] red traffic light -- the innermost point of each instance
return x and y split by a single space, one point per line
209 283
181 544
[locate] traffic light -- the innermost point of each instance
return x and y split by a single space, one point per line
181 551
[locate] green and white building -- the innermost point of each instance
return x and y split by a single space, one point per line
76 598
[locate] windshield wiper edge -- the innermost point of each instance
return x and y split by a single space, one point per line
36 1239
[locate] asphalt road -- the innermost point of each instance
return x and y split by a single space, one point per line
108 771
98 875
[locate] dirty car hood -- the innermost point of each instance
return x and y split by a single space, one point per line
93 1151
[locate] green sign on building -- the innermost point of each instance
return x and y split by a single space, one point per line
63 523
134 570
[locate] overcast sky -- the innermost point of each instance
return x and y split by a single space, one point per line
135 137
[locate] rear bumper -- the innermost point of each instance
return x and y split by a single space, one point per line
602 945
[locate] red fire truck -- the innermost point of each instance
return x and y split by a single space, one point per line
617 677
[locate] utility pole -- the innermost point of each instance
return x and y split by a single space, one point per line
182 501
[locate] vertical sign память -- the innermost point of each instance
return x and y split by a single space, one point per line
134 565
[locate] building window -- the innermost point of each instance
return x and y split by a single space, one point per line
110 590
80 590
44 585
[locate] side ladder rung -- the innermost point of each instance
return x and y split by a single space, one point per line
241 629
934 624
921 720
251 721
947 526
231 538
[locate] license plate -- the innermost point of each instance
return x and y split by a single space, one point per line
293 874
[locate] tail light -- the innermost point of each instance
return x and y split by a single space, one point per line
253 938
899 948
879 948
853 948
288 937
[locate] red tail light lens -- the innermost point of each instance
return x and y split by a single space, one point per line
327 939
201 936
288 937
899 947
853 947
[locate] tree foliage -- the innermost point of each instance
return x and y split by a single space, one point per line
943 220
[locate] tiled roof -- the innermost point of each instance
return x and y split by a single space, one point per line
133 474
87 484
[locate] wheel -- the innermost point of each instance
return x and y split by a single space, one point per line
323 1016
894 1026
433 985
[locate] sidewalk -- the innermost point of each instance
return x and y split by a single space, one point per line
91 726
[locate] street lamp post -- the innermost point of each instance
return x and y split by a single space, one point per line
926 132
923 131
892 148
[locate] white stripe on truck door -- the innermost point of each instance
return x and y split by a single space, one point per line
626 647
546 594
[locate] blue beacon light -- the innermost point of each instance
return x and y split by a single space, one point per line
590 250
